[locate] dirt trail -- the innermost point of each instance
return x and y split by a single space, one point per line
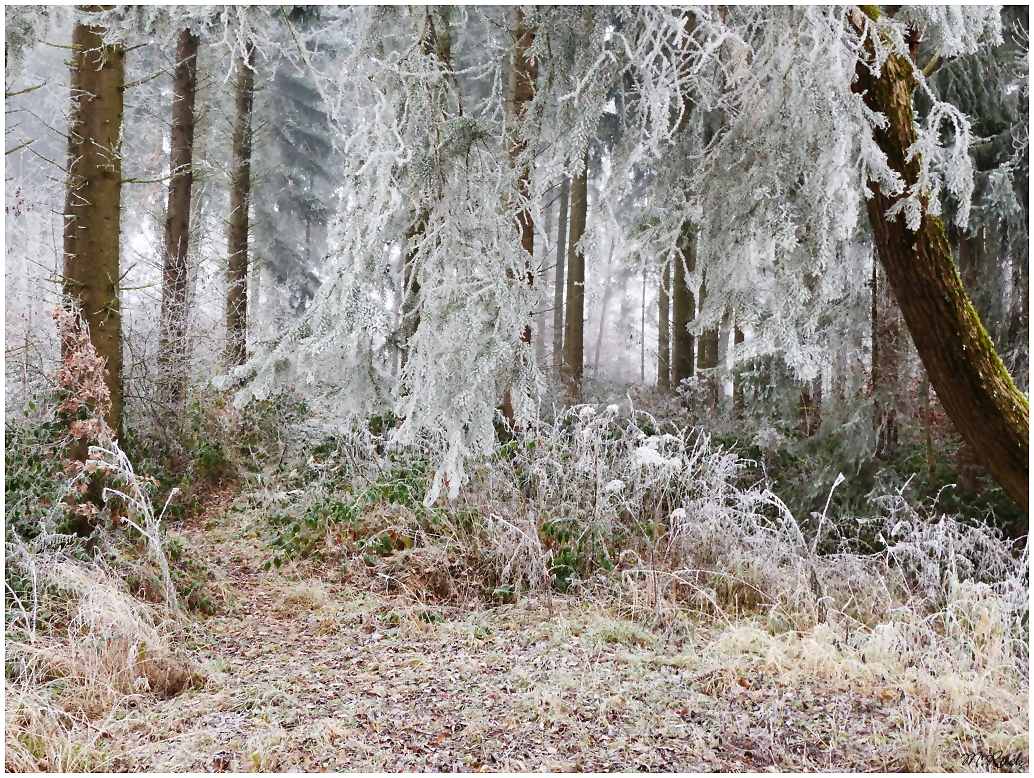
317 676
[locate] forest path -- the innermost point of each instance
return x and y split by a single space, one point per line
316 676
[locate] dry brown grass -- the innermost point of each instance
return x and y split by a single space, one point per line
73 677
303 597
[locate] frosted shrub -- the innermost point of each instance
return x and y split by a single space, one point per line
610 490
608 500
596 489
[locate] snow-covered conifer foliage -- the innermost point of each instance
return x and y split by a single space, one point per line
425 179
741 120
775 158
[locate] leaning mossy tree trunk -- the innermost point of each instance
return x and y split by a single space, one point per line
971 382
94 198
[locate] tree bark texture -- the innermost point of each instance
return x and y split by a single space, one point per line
92 223
683 308
574 322
888 369
173 347
240 195
973 385
663 334
559 286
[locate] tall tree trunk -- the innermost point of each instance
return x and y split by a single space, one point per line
683 308
970 247
707 355
574 322
608 291
240 194
642 332
540 329
93 198
173 346
1018 333
973 385
738 403
559 286
707 350
411 284
663 334
523 73
683 301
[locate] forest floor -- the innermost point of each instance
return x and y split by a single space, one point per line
314 675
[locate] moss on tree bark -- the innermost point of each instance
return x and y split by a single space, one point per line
970 379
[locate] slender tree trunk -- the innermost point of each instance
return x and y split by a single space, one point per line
240 195
434 42
738 403
683 301
707 351
173 347
971 382
663 333
683 308
411 284
540 338
969 249
574 323
608 291
725 349
523 73
707 356
642 331
540 330
93 198
559 286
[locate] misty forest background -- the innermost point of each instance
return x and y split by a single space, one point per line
701 314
